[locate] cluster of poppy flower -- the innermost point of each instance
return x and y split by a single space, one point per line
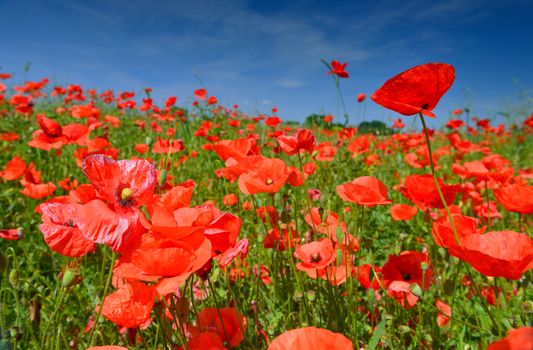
161 240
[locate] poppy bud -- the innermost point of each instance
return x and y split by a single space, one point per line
3 262
527 306
149 141
69 277
297 296
14 278
126 194
415 289
311 295
162 177
424 266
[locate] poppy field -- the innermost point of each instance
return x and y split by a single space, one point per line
128 224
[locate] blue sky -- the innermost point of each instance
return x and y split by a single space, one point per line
261 54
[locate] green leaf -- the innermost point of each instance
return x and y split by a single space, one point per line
374 340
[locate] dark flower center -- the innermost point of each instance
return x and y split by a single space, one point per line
406 276
316 258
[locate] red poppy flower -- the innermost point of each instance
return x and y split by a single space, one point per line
518 339
228 323
401 271
516 197
445 313
365 190
402 212
267 175
37 191
326 152
315 256
236 149
499 254
167 258
60 231
123 183
168 146
443 234
338 69
11 234
303 139
417 90
107 347
311 338
14 169
9 136
421 190
205 341
130 306
361 97
200 94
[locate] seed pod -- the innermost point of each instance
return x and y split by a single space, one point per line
14 278
162 177
415 289
69 277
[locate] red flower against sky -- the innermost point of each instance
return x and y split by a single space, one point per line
365 190
311 338
200 94
417 90
303 139
338 69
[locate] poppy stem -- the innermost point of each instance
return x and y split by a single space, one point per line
106 287
488 204
214 293
437 182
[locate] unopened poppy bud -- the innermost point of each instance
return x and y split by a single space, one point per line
415 289
149 141
424 266
527 306
297 296
69 277
14 278
3 262
162 177
311 295
126 194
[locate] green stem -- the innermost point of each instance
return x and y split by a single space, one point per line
107 283
437 182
